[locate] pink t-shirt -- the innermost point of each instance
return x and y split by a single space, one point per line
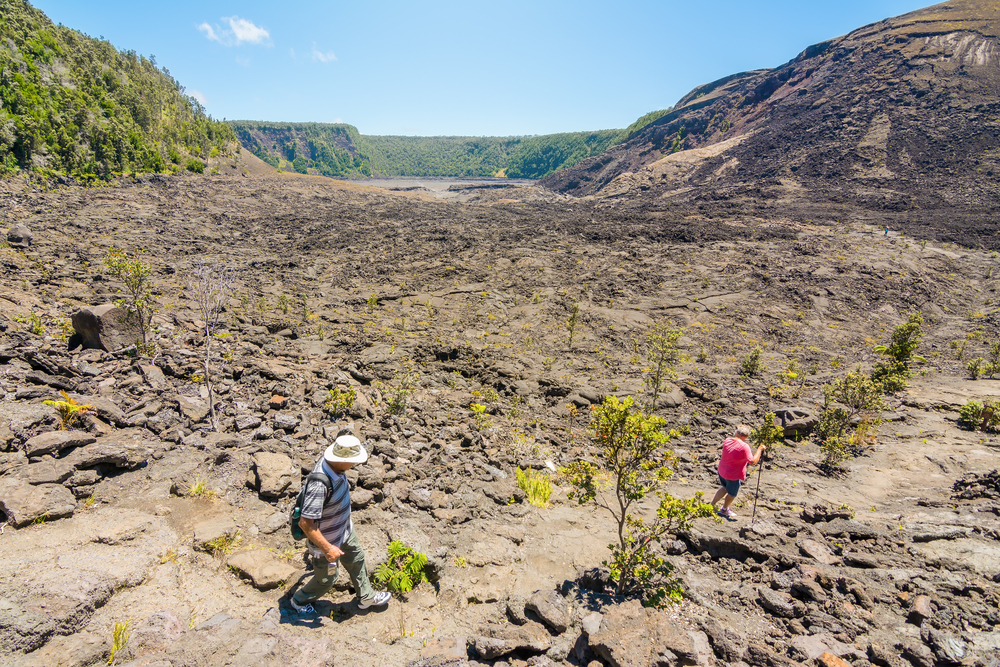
736 455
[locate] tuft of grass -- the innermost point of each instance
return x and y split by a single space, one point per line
119 637
537 486
224 545
200 488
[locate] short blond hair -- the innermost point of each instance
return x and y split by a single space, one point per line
742 431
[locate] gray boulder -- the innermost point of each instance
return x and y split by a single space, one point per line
775 602
19 236
632 635
56 441
120 453
552 608
273 475
24 503
261 567
499 640
106 327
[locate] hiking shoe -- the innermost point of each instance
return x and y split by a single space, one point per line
302 608
380 600
727 514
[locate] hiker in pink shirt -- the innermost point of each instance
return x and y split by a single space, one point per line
736 456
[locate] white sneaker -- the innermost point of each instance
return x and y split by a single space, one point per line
302 608
380 600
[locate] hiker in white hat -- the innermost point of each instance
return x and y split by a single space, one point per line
326 522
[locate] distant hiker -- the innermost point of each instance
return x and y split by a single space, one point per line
886 232
326 521
736 456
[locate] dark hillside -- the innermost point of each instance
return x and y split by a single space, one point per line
896 116
76 105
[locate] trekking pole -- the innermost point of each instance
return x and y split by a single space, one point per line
763 457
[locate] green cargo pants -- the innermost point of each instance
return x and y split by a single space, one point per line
322 580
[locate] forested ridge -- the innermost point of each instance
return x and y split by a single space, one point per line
76 105
340 151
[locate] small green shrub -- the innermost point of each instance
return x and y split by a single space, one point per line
137 299
402 570
976 368
572 322
632 446
892 373
768 433
200 489
34 323
662 352
195 165
338 402
537 486
971 415
398 393
853 397
751 364
481 416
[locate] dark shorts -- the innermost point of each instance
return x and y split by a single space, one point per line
732 485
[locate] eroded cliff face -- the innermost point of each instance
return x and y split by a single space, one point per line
898 115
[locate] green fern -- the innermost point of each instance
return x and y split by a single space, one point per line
403 570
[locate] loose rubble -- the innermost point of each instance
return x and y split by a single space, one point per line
142 512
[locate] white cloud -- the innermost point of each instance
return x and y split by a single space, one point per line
291 51
238 32
322 57
198 95
245 62
246 31
209 32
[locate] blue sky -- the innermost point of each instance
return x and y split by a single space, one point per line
460 68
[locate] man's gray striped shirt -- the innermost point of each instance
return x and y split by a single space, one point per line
333 519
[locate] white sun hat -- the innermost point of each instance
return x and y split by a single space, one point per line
346 449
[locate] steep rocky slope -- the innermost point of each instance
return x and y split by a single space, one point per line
901 116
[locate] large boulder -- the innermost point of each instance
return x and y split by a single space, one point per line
106 328
261 567
19 236
273 475
119 452
499 640
552 608
633 636
24 503
56 441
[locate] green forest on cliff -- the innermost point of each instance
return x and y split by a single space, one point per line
75 105
340 151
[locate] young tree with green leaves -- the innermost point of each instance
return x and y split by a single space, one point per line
855 396
635 463
137 300
892 373
662 352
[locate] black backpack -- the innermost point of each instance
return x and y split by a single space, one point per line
296 513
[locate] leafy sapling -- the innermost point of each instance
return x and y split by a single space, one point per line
662 352
137 300
634 463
